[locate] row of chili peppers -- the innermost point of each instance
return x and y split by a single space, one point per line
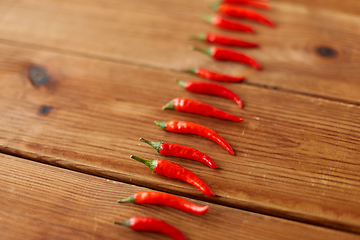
172 170
227 8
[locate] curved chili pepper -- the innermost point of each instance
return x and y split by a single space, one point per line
220 22
253 3
211 89
234 11
224 54
176 150
173 170
202 72
149 224
166 199
218 39
193 128
200 108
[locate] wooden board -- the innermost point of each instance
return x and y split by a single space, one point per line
111 65
54 203
296 156
314 49
347 7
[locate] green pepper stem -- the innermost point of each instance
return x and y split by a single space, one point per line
208 18
181 83
206 51
169 106
150 163
156 145
192 70
201 37
215 5
126 223
161 124
128 199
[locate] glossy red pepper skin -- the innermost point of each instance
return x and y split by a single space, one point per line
211 89
176 150
221 22
149 224
204 73
196 129
224 54
200 108
173 170
166 199
240 12
223 40
253 3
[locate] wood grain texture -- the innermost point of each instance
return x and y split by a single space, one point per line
296 156
45 202
314 49
348 7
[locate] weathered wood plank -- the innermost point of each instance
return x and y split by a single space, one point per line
349 7
44 202
296 156
314 49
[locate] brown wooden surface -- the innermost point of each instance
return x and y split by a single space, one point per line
112 65
62 204
154 33
97 119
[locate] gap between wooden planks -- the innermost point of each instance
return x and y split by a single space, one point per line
45 202
296 156
154 33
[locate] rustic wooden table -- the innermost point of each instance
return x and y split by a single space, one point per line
82 81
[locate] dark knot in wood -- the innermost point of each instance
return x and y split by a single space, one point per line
38 76
43 110
326 52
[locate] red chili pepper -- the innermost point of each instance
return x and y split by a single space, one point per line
254 3
235 11
193 128
197 107
220 22
176 150
202 72
224 54
218 39
149 224
211 89
166 199
173 170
